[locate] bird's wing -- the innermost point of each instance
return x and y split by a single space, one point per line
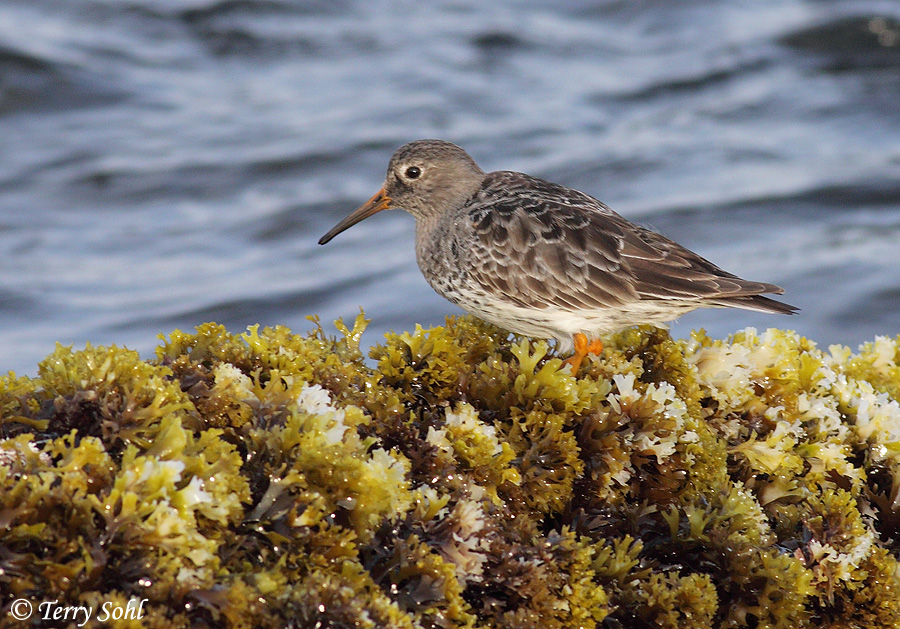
538 244
663 269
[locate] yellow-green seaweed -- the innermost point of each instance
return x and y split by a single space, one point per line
461 478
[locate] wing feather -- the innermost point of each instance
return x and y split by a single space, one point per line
540 245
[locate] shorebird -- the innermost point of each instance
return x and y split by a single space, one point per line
542 260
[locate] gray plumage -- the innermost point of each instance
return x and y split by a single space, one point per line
541 259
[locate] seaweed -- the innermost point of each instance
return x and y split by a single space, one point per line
458 477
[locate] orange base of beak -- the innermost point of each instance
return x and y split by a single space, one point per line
374 205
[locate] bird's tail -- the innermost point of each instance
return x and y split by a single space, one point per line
758 303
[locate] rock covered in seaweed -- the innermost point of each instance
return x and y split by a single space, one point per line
459 479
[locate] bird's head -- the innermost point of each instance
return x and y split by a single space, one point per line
424 178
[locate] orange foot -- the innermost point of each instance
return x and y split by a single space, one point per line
582 349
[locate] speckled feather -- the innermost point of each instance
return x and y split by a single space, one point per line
544 260
540 244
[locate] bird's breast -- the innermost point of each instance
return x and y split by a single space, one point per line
442 260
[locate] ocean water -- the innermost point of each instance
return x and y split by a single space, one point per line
169 162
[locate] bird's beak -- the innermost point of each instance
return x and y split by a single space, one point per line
374 205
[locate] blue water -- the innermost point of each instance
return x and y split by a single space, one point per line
166 163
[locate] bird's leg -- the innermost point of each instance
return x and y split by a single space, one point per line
582 349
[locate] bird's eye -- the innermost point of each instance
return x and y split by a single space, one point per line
413 172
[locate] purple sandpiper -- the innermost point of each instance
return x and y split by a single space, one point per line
543 260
